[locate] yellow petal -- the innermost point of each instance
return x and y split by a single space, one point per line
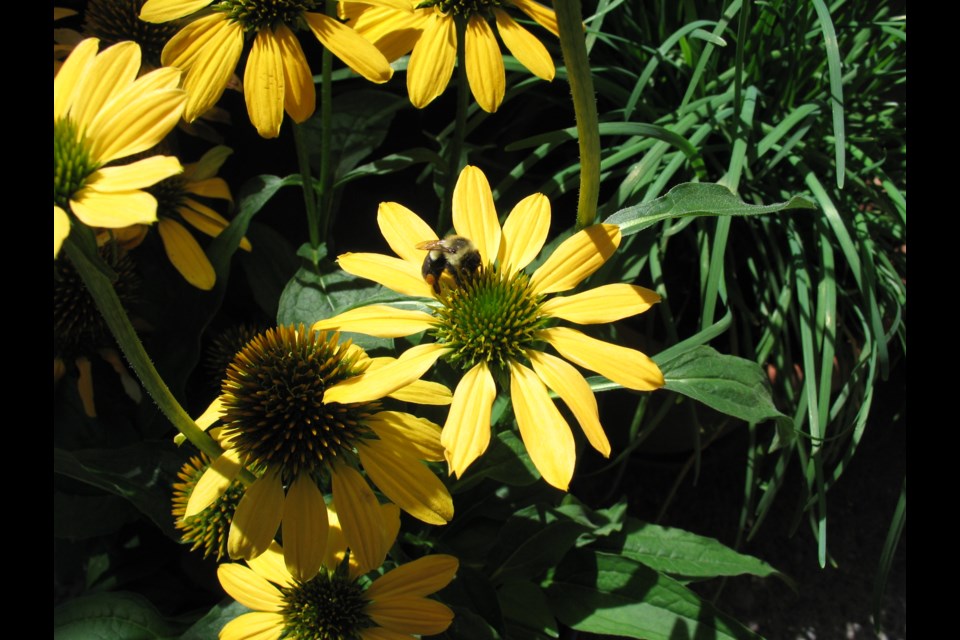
257 517
214 482
186 255
115 209
270 565
61 228
407 482
574 390
211 415
359 512
484 65
432 60
627 367
404 431
210 59
607 303
410 614
304 528
209 188
475 215
379 633
74 70
576 258
165 10
524 233
421 577
524 46
204 219
543 16
379 320
136 175
395 274
350 46
393 32
376 384
263 84
112 71
207 167
85 386
248 588
404 230
466 433
423 392
254 626
390 518
545 433
300 96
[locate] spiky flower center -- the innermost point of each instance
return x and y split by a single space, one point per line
116 20
72 163
171 193
328 607
260 14
488 318
273 408
209 529
464 8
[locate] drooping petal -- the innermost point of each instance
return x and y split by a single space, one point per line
628 367
607 303
403 431
186 255
395 274
524 46
263 84
373 385
359 513
407 482
300 96
576 258
379 320
431 63
270 565
411 614
157 11
206 220
112 71
524 233
211 414
466 434
61 228
545 433
136 175
474 213
404 230
393 32
115 209
379 633
574 390
543 16
85 385
249 588
257 625
75 68
484 64
350 47
421 577
257 517
214 482
206 168
209 49
304 528
209 188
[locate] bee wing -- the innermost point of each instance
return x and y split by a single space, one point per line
430 245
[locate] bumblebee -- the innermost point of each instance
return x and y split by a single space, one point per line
454 254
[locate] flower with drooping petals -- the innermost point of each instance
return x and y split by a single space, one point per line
496 321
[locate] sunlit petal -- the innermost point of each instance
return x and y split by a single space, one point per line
257 517
431 63
348 45
404 230
304 528
524 46
112 71
166 10
524 233
211 415
257 625
576 258
379 320
543 16
214 482
270 565
627 367
359 514
466 434
422 577
404 431
61 228
263 84
607 303
136 175
409 483
395 274
411 614
248 588
74 70
114 209
373 385
300 96
186 255
484 64
474 213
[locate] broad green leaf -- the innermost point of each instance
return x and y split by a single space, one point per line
78 517
681 553
110 616
506 461
531 541
695 199
601 522
472 592
608 594
523 603
268 267
213 621
467 625
729 384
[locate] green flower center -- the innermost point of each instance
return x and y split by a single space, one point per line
116 20
273 408
328 607
71 161
209 529
259 14
464 8
489 318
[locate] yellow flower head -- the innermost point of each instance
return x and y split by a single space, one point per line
101 112
280 423
497 320
277 77
428 29
333 604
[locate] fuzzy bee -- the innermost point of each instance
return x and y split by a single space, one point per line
454 254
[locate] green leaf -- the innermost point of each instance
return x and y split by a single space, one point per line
681 553
506 460
392 163
214 620
110 616
77 517
268 267
608 594
532 541
472 592
524 604
695 199
734 386
142 473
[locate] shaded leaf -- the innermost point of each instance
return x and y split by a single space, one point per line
110 616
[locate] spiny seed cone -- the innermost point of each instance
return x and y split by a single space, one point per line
209 529
329 606
116 20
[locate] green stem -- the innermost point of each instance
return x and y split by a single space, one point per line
574 48
326 117
113 312
309 196
456 144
